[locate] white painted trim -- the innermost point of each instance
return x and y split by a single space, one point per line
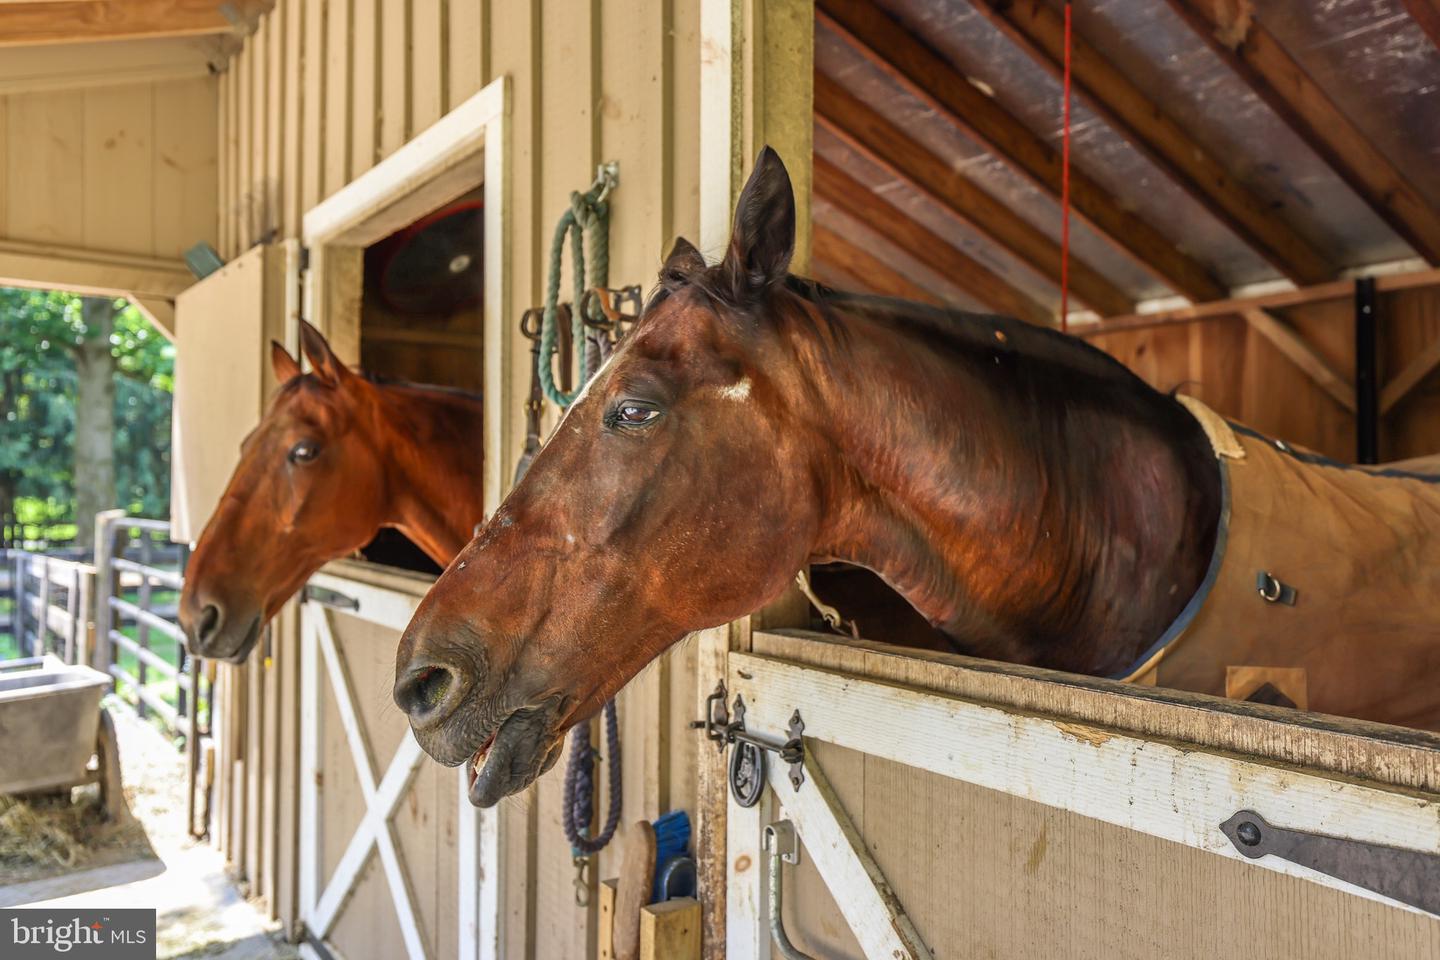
881 926
310 735
468 146
747 934
454 139
1177 792
721 23
498 323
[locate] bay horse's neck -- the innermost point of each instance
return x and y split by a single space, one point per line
434 461
1025 492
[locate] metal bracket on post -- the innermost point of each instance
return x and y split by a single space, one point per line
747 763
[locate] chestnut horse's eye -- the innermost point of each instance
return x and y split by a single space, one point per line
303 452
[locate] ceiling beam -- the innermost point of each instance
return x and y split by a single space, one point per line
1288 341
1278 78
1039 30
890 47
1320 292
861 127
1416 371
75 21
1427 14
74 66
853 198
864 268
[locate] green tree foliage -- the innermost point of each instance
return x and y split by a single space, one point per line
39 333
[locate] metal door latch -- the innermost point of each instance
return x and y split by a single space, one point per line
1409 876
330 598
747 761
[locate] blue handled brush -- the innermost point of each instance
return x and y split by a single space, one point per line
672 840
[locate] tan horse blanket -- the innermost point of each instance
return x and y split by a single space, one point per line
1324 589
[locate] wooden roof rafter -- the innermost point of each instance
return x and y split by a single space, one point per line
1287 88
840 190
867 132
872 33
862 268
1039 30
30 22
1426 13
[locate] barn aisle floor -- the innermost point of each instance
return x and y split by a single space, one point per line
200 911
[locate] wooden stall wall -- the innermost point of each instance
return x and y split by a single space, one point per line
104 183
1235 367
322 91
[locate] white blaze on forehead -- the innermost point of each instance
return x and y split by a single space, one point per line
739 390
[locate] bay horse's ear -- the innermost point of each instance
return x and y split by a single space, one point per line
286 367
763 237
323 362
682 264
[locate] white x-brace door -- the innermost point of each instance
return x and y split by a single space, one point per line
322 898
1178 792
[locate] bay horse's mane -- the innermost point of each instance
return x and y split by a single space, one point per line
1064 367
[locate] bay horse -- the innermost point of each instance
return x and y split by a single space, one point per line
337 457
1025 492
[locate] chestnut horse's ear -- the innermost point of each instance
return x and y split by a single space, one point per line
323 362
682 264
286 367
763 237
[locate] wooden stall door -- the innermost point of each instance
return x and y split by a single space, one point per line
224 325
954 808
391 856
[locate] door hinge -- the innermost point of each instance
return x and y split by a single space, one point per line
1409 876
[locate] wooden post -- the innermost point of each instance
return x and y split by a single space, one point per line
670 930
42 622
105 584
17 617
142 629
84 614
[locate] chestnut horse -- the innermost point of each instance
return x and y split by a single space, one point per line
1027 493
337 457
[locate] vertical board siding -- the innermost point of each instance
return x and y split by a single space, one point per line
428 63
184 171
119 156
465 39
46 139
364 86
394 75
338 125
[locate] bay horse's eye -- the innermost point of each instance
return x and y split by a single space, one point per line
303 452
634 414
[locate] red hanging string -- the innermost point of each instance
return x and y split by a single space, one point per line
1065 190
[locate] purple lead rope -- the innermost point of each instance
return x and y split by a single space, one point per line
578 803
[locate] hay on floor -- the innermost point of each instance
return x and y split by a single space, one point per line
43 833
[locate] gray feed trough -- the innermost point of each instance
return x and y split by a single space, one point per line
51 724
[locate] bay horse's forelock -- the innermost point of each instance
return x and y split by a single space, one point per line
1025 492
384 455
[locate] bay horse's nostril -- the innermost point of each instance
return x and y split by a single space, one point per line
209 624
422 690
